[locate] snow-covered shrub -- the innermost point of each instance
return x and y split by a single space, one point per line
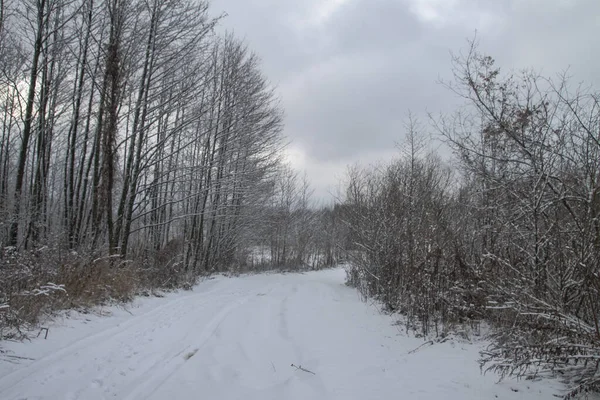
515 239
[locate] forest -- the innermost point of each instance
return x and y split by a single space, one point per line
140 149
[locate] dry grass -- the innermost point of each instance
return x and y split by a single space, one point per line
36 284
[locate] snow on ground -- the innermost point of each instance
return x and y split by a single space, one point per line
236 338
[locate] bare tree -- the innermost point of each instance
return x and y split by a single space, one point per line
530 158
129 129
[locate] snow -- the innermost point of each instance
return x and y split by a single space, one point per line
237 338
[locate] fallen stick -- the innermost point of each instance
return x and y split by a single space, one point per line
43 329
430 342
18 357
299 367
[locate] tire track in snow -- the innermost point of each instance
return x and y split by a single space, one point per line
14 378
164 369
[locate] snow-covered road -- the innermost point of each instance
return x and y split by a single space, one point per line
236 338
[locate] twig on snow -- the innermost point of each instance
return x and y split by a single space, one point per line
430 342
41 330
18 357
299 367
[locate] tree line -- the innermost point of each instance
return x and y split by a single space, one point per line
127 123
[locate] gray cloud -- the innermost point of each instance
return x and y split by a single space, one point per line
349 70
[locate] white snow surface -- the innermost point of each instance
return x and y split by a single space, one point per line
236 338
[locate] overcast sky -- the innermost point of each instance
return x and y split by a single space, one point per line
348 71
